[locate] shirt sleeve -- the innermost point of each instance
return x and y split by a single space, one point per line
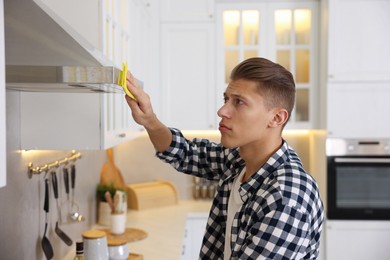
198 157
283 233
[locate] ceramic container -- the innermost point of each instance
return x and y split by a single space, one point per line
118 249
95 245
118 223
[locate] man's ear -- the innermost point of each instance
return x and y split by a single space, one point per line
280 117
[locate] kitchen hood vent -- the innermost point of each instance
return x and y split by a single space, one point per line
41 56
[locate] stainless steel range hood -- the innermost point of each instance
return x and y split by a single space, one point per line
42 56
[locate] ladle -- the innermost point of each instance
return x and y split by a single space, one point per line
64 237
74 213
46 245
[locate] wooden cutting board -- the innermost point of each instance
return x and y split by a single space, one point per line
153 194
110 174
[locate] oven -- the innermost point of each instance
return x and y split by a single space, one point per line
358 199
358 179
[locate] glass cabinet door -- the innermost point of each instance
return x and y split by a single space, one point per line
294 51
282 32
241 30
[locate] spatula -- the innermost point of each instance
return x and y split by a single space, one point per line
64 237
46 245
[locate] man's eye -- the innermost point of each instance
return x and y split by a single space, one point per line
239 102
225 99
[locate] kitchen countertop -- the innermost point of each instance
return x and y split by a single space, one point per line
164 227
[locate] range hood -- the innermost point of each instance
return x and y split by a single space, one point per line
41 56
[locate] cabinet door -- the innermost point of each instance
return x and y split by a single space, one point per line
358 42
188 98
187 10
67 121
118 125
358 110
284 32
3 152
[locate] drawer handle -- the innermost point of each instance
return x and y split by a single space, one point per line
122 135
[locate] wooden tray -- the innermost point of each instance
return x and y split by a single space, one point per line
134 256
130 235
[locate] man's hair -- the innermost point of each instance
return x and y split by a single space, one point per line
275 83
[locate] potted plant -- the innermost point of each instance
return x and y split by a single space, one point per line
104 209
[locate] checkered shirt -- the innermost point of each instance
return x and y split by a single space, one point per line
282 212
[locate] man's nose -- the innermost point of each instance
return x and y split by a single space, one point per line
223 111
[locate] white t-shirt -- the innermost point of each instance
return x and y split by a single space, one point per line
234 205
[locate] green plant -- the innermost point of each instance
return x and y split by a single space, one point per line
102 189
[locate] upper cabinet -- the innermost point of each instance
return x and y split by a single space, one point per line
286 33
187 10
188 65
358 41
118 31
358 82
67 121
3 152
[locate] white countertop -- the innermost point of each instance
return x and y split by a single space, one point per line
165 228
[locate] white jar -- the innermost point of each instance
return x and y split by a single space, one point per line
95 245
118 249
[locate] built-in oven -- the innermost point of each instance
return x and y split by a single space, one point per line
358 179
358 199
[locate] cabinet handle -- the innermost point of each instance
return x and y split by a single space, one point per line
122 135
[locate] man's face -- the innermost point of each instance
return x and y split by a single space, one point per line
244 116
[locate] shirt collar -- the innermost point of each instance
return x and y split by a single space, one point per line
255 182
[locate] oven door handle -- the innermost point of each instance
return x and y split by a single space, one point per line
362 160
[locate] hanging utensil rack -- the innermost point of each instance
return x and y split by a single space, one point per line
31 170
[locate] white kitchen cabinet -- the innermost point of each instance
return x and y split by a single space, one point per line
187 10
285 32
187 69
3 151
358 82
66 121
193 235
357 239
358 47
357 110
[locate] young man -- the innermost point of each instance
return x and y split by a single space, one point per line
266 205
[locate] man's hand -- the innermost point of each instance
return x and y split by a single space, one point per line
141 108
142 112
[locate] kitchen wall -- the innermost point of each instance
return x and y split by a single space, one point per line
21 201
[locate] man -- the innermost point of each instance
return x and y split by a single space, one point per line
266 205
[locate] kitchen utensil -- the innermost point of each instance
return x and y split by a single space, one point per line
74 214
110 174
65 173
46 245
116 201
108 198
64 237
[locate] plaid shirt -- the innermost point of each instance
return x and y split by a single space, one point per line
282 213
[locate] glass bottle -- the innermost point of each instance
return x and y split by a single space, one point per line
79 251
